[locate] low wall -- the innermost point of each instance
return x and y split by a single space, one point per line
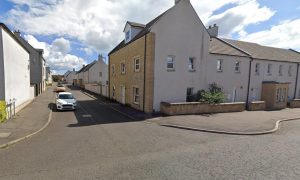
257 106
200 108
295 103
95 88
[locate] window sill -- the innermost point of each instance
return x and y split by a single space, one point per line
237 72
219 71
269 74
170 70
136 103
192 70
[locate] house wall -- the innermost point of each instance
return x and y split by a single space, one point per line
93 73
180 33
257 79
2 75
132 79
234 84
16 59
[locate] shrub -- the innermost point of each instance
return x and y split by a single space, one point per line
2 111
213 96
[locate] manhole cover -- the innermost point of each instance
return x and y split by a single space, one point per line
4 135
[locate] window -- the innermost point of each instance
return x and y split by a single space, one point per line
136 95
191 64
237 67
136 64
257 68
280 70
189 94
127 35
123 70
100 74
290 70
170 63
219 65
113 69
269 69
113 91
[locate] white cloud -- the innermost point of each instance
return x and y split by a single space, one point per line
285 35
56 54
99 24
235 20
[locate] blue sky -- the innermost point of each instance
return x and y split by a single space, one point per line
73 33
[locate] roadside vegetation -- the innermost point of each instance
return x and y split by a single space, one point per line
2 111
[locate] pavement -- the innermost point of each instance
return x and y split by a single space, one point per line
28 121
246 122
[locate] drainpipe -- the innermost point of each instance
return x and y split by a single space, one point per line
145 51
249 80
296 84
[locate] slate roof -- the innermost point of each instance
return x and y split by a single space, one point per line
258 51
134 24
142 33
87 67
217 46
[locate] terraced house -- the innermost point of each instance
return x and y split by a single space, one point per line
175 55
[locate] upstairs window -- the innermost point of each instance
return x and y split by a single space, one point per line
290 70
219 65
170 63
269 69
280 70
123 70
100 74
192 64
136 64
257 68
113 69
127 36
237 67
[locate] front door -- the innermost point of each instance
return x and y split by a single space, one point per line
123 98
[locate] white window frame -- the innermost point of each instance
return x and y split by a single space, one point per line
127 35
137 66
269 69
220 65
136 95
170 60
290 71
280 70
123 68
257 68
192 64
237 66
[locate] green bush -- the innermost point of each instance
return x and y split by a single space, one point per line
213 96
2 111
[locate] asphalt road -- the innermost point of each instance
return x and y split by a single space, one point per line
97 142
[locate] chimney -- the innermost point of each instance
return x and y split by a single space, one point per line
177 1
100 57
213 30
83 65
17 33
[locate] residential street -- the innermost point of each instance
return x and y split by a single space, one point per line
96 142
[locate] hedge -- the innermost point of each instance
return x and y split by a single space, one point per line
2 111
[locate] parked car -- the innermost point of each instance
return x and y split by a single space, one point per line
60 88
65 101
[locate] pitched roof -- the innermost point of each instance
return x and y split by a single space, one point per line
142 33
258 51
217 46
87 67
134 24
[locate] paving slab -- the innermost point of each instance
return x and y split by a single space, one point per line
29 120
243 122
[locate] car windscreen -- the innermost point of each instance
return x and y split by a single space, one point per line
65 96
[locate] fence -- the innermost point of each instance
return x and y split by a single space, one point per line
11 108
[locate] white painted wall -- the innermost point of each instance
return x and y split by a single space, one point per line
228 79
70 77
181 33
256 80
93 73
16 59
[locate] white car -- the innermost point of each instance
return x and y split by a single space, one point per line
65 101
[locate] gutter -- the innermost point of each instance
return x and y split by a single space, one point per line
249 81
145 51
296 84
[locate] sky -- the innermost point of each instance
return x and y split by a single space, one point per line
74 32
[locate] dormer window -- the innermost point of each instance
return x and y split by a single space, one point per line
127 36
